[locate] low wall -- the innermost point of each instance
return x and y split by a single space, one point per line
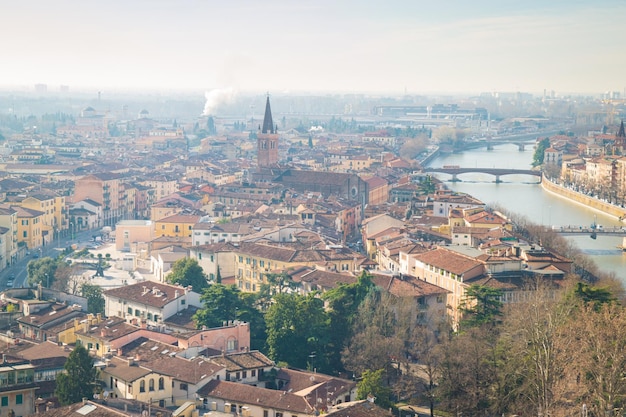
584 199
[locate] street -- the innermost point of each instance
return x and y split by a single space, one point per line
17 271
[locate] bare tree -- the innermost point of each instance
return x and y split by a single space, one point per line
600 360
538 329
375 343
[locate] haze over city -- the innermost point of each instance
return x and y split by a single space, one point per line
397 46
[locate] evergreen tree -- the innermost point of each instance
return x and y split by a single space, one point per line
372 385
220 303
298 331
539 151
187 271
218 276
481 305
95 300
79 379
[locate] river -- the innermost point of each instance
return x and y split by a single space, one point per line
521 194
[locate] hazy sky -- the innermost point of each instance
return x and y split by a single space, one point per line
385 46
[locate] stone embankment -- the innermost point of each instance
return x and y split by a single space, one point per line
580 198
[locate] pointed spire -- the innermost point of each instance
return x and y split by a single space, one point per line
268 123
621 133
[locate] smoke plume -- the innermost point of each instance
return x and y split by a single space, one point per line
215 98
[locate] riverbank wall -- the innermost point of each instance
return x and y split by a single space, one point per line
583 199
429 157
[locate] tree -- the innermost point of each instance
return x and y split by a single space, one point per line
280 282
481 305
249 313
465 374
95 300
371 385
41 271
539 151
343 303
375 342
297 331
79 379
187 271
600 359
595 296
63 277
539 331
220 304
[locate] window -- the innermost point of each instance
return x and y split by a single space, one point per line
151 385
253 373
149 316
137 313
244 374
142 386
130 310
161 383
183 386
265 413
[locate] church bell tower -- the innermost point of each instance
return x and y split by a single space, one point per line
267 140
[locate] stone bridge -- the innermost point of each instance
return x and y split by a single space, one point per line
496 172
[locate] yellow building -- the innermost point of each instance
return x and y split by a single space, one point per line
178 225
29 227
254 261
54 218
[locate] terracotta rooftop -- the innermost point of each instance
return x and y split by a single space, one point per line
262 397
448 260
154 294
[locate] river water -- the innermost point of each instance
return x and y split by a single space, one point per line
523 195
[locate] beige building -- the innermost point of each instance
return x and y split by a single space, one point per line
8 221
129 234
105 189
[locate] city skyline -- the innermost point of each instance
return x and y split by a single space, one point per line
412 47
